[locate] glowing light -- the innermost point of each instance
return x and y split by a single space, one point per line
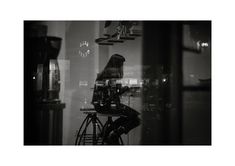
83 83
191 75
34 77
164 80
84 43
204 44
198 44
84 51
133 81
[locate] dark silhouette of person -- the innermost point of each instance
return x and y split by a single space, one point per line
106 100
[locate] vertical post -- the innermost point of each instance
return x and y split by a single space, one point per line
94 123
175 99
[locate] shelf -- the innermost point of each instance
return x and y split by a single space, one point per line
127 38
50 106
112 39
194 50
196 88
135 35
116 41
105 43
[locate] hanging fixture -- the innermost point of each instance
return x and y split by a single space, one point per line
124 30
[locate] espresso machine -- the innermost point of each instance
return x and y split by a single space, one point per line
43 109
46 75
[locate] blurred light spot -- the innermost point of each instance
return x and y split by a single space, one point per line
133 81
191 75
204 44
83 83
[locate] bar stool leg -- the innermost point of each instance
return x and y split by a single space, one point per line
97 126
79 131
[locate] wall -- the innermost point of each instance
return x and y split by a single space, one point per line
82 73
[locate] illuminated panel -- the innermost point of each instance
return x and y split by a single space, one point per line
133 81
83 83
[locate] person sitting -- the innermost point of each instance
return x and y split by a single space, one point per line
106 100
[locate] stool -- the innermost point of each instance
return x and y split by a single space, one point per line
98 134
93 138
